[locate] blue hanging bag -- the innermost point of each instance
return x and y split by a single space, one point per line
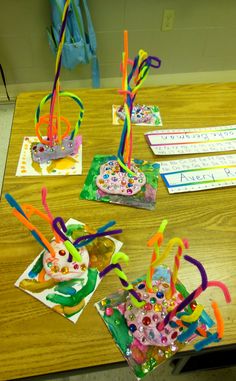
80 39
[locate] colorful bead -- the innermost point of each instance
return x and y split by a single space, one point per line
157 308
160 294
155 318
173 348
65 270
165 285
76 266
151 335
131 316
62 252
146 320
109 311
153 300
160 353
54 269
193 305
129 307
132 327
83 267
174 335
141 286
49 264
106 176
141 328
148 307
129 191
41 149
164 340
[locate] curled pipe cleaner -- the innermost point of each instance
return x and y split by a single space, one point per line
160 258
68 244
21 215
191 296
201 269
45 205
79 241
123 278
55 90
188 332
173 278
100 230
195 315
155 241
207 341
37 117
141 65
215 337
219 319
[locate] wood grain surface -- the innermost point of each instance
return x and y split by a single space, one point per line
34 340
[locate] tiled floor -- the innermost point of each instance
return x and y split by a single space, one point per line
123 373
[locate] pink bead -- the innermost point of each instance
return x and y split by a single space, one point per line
148 307
164 339
109 311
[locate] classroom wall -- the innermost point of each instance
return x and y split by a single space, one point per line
203 38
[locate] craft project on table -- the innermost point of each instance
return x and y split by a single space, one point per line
142 115
192 140
58 150
121 179
154 317
199 173
65 274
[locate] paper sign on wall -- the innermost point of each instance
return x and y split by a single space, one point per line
199 173
194 140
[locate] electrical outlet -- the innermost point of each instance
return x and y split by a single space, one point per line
168 20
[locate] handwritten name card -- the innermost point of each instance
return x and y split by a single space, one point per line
194 140
199 173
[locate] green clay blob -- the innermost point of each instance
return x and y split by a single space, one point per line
73 300
118 327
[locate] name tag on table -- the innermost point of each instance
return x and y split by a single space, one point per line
194 140
199 173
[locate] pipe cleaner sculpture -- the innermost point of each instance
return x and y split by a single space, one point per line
121 179
60 151
140 114
165 317
66 273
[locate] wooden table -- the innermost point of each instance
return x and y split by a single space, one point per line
34 340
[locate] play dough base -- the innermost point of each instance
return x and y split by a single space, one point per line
145 196
135 331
